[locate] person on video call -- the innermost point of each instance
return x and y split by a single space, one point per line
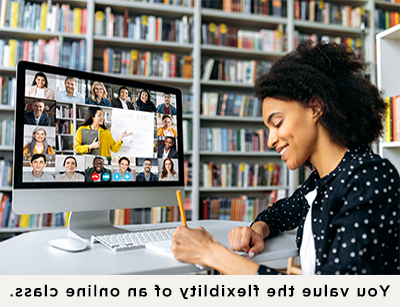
124 170
166 129
167 150
144 103
168 173
38 163
69 94
39 88
94 120
166 107
99 95
98 167
37 116
122 101
321 111
146 175
38 144
70 165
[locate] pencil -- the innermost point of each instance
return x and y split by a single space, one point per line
181 209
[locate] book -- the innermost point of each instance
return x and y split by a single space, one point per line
88 137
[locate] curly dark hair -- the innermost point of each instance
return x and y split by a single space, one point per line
353 109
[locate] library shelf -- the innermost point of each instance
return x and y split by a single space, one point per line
216 83
326 28
160 80
5 69
19 33
17 229
7 108
240 19
236 52
142 44
240 153
388 5
6 148
233 118
242 189
149 8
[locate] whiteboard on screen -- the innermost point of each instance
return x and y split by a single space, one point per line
141 142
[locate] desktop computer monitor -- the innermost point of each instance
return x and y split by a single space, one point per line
88 143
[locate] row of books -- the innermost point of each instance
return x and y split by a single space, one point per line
187 103
149 64
262 40
329 13
229 104
69 54
233 140
145 27
64 127
235 71
6 169
353 43
187 126
187 173
8 91
386 19
64 111
242 208
241 175
7 132
277 8
64 143
150 215
43 17
392 127
9 219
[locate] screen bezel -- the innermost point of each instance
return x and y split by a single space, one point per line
23 66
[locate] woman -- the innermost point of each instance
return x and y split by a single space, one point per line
125 171
320 111
167 172
94 120
70 165
144 103
99 95
166 129
38 144
39 88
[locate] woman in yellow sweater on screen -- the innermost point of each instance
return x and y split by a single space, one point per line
94 120
166 129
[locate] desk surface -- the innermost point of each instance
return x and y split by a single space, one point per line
30 253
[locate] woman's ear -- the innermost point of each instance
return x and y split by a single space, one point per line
317 106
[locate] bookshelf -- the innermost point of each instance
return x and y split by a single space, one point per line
200 53
388 64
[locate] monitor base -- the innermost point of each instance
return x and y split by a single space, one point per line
85 224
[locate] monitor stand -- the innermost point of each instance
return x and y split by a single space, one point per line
85 224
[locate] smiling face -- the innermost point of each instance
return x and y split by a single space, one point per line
292 130
147 166
167 123
70 165
168 144
40 82
38 164
98 119
38 108
168 165
39 136
144 97
98 165
123 94
123 166
99 91
167 100
70 86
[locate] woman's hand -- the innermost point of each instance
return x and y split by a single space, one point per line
124 134
95 144
246 239
193 245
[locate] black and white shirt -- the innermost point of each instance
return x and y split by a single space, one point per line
355 216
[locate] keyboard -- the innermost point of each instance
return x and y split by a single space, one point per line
136 239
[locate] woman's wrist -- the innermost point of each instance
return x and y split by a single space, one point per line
261 228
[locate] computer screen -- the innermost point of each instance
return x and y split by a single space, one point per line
90 143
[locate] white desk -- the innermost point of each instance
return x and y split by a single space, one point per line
30 253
